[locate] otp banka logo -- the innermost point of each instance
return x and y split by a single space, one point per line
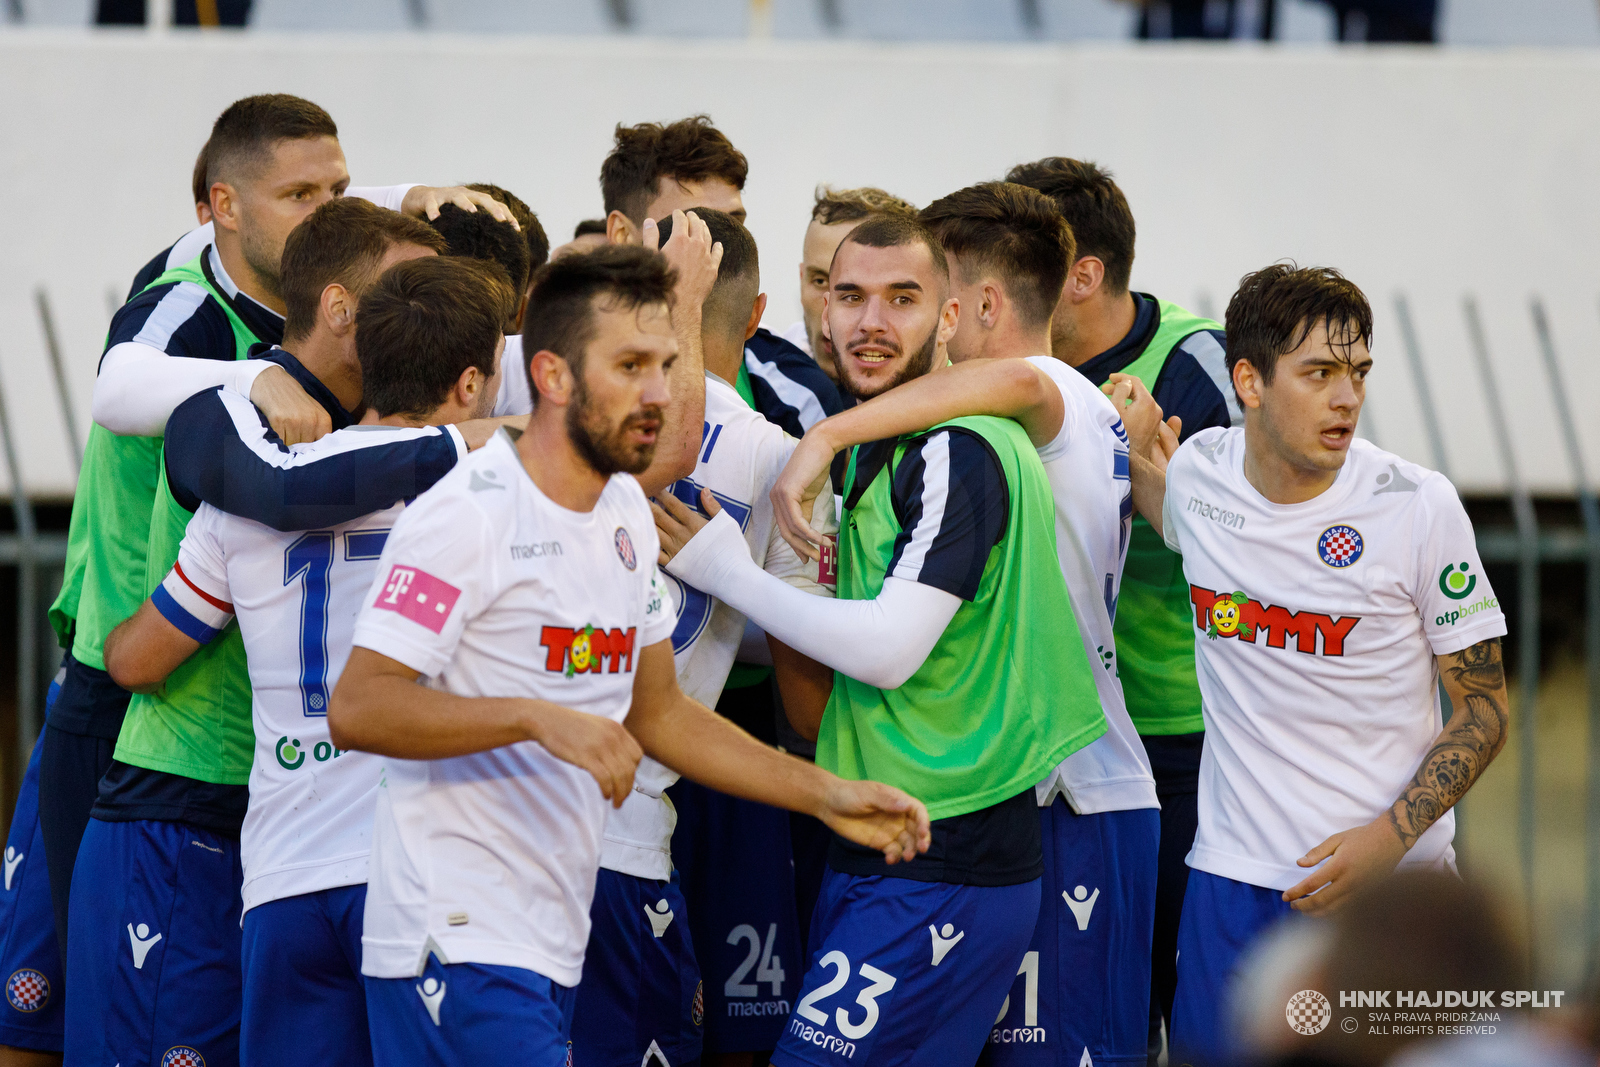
1457 584
292 756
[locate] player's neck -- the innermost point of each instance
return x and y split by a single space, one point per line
230 250
1098 324
722 358
1272 472
1010 341
551 460
332 360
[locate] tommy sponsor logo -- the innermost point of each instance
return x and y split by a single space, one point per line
418 596
141 941
1236 615
536 550
572 650
183 1056
27 990
1221 516
13 857
432 993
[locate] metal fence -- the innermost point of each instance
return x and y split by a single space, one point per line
38 559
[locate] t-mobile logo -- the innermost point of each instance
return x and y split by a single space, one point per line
141 941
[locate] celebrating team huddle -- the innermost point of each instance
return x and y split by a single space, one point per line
477 653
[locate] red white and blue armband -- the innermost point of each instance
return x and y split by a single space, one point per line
191 609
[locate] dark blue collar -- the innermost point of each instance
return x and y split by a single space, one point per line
308 381
266 324
1146 318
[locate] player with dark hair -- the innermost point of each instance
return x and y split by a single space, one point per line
733 857
270 161
545 537
1104 328
526 221
1085 982
946 541
182 762
427 348
834 214
658 168
1333 589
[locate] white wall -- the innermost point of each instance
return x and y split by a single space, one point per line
1437 172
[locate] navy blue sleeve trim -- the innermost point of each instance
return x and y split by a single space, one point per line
205 333
1186 390
967 523
208 461
799 368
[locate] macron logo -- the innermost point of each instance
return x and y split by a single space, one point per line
418 596
13 857
141 941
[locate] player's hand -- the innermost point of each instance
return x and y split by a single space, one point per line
292 414
603 748
878 816
479 432
1166 443
1356 858
797 489
692 253
1141 415
677 523
424 201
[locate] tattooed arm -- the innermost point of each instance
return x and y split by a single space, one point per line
1476 682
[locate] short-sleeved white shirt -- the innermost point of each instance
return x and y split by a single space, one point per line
1316 627
741 455
1087 464
296 596
489 588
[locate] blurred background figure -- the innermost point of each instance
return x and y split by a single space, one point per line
1417 931
1375 21
184 12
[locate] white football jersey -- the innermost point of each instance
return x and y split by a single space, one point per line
1087 465
1316 627
513 391
489 588
296 596
741 455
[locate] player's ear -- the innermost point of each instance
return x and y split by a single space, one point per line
1247 383
1085 277
620 229
949 319
989 309
338 309
224 206
551 376
756 312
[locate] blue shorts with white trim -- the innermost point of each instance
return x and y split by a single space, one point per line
1084 985
906 973
640 996
468 1015
304 998
30 962
1222 918
154 954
